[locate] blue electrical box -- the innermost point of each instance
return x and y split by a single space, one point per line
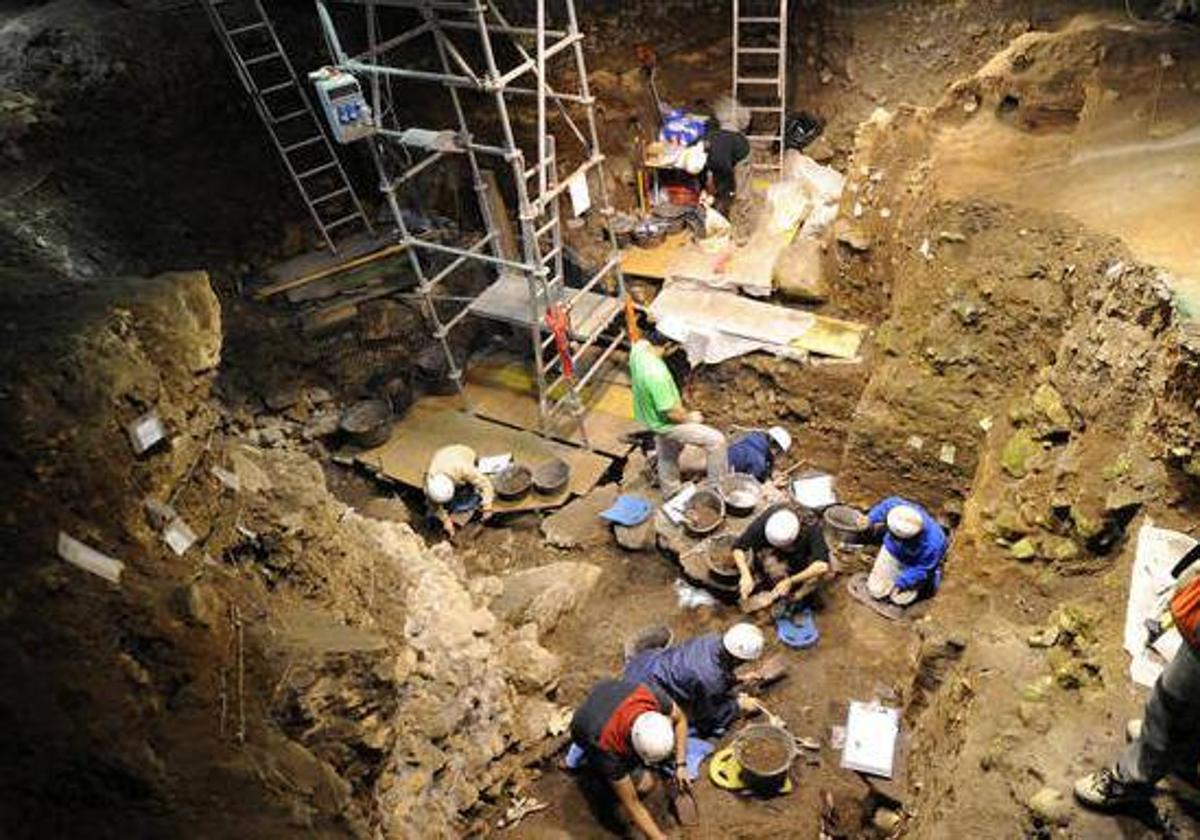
342 100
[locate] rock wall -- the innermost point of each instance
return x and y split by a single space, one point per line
310 668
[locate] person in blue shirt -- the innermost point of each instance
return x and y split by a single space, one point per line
754 453
699 675
909 565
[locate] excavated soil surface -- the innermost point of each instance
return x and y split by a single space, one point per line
322 663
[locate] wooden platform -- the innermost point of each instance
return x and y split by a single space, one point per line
505 390
427 427
654 263
508 300
354 252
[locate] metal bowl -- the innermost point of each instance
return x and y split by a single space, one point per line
845 523
551 477
741 493
765 753
704 512
368 423
513 481
719 558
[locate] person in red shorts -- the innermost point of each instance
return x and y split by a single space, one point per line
623 727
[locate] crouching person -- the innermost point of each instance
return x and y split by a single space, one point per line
789 551
699 675
625 727
909 565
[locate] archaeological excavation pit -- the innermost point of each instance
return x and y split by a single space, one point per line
273 271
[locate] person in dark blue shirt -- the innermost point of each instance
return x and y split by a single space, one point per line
699 675
909 565
754 453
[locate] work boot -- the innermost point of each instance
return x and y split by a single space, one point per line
1133 730
1105 790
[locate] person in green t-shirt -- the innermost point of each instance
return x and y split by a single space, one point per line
657 405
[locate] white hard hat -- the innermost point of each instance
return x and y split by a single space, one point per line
744 641
653 736
694 159
781 436
439 487
783 526
905 522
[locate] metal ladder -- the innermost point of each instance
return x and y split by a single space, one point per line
760 38
295 128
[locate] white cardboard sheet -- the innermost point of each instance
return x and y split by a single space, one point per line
871 733
1150 583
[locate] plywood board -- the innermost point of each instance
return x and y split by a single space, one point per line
504 390
653 262
353 252
427 428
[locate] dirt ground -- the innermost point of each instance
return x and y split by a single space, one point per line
325 664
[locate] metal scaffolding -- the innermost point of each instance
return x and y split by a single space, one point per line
490 64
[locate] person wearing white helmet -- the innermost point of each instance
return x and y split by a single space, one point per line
624 726
786 545
909 565
699 675
754 452
450 468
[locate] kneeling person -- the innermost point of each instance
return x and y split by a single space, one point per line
909 566
789 549
699 675
452 467
623 726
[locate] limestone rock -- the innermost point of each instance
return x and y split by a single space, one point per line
198 603
852 236
578 525
799 271
545 594
531 668
1018 451
1024 549
1050 807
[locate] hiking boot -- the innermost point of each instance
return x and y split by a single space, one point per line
1133 730
1104 789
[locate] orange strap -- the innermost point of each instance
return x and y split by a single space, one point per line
631 324
559 324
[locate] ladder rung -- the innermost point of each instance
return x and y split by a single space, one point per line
289 116
551 254
546 228
342 221
758 19
250 62
764 108
287 150
333 194
276 88
757 81
316 170
758 50
774 138
242 30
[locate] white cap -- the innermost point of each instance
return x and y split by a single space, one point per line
744 641
905 522
653 736
694 159
781 436
439 487
783 526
